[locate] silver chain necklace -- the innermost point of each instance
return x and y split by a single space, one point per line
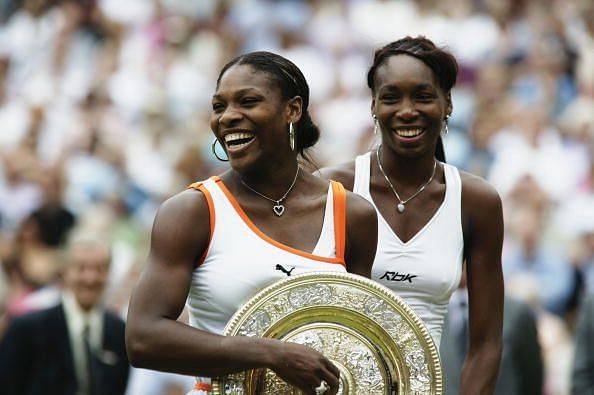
277 208
401 203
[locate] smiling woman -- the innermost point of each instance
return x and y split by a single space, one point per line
432 217
218 243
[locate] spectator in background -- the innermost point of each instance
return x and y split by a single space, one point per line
19 193
31 256
521 371
582 375
532 257
585 259
76 347
554 335
52 217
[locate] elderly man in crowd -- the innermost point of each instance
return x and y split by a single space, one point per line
76 347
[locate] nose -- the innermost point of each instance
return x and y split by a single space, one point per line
89 277
229 116
407 111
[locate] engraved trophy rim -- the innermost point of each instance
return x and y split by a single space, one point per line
329 316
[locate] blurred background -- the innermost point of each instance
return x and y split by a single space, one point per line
104 108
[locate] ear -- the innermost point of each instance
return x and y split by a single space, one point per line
449 104
294 109
372 106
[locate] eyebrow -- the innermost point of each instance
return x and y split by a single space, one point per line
426 86
421 86
237 93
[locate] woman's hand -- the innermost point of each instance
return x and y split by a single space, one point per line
305 368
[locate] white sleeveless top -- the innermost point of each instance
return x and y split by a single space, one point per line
241 260
425 270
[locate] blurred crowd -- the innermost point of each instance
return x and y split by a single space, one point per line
104 108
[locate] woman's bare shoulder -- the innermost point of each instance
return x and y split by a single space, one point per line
344 173
188 203
477 189
183 219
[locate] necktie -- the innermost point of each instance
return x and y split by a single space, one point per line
90 360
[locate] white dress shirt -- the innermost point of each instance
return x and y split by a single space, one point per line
76 321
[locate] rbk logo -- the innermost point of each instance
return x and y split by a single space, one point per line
395 276
282 269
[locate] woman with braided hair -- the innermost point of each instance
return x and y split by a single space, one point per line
432 218
218 243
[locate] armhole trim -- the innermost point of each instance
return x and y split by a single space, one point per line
339 195
211 218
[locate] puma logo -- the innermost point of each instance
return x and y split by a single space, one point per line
282 269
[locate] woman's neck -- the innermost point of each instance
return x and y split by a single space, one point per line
405 170
272 180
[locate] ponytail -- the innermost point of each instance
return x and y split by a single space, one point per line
439 150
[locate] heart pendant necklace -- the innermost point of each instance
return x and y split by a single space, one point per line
278 208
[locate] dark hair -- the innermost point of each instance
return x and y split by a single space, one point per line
442 63
291 82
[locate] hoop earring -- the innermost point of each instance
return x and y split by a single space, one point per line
375 124
214 150
291 136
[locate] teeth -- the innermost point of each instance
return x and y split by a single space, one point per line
409 133
237 136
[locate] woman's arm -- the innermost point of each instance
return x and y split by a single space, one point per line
155 340
361 243
483 238
361 235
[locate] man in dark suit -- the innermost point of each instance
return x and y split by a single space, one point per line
582 374
76 347
521 369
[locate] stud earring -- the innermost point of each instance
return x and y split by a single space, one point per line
214 150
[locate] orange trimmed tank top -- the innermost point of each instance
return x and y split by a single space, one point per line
241 260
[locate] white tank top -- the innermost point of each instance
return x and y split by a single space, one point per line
425 270
241 260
